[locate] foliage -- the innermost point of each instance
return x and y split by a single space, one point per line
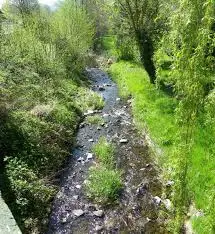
42 56
95 119
155 111
138 18
104 180
104 152
103 184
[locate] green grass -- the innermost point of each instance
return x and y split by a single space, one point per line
108 44
95 119
104 152
104 184
155 111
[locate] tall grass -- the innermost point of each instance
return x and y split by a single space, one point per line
154 111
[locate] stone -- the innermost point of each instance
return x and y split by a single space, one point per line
78 186
98 128
89 112
91 140
75 197
123 141
118 99
98 213
80 159
78 212
98 228
167 203
64 220
170 183
157 200
82 125
101 88
89 156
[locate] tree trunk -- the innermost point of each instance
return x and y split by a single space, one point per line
146 53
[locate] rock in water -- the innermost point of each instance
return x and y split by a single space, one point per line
78 213
101 88
123 141
89 156
157 200
98 228
98 213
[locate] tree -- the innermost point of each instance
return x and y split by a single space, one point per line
24 7
141 15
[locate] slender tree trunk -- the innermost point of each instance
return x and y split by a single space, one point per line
146 49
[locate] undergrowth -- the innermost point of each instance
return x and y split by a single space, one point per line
154 111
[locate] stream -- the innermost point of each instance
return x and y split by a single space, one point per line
137 209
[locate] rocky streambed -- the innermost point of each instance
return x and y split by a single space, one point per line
137 208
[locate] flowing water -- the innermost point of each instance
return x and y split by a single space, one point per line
136 210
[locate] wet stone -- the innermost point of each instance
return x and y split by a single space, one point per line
78 213
157 200
101 88
98 213
89 156
99 228
75 197
78 186
80 159
123 141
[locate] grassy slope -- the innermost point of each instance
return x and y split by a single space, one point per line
155 111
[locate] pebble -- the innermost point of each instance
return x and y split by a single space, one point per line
157 200
78 213
101 88
89 112
80 159
91 140
170 183
89 156
123 141
78 186
98 213
75 197
167 203
98 228
64 220
118 99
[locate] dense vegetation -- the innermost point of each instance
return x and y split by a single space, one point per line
42 98
176 38
165 52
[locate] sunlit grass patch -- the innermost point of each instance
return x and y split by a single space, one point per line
104 185
95 119
154 111
104 152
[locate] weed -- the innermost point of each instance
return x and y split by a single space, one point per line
96 119
104 152
104 184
